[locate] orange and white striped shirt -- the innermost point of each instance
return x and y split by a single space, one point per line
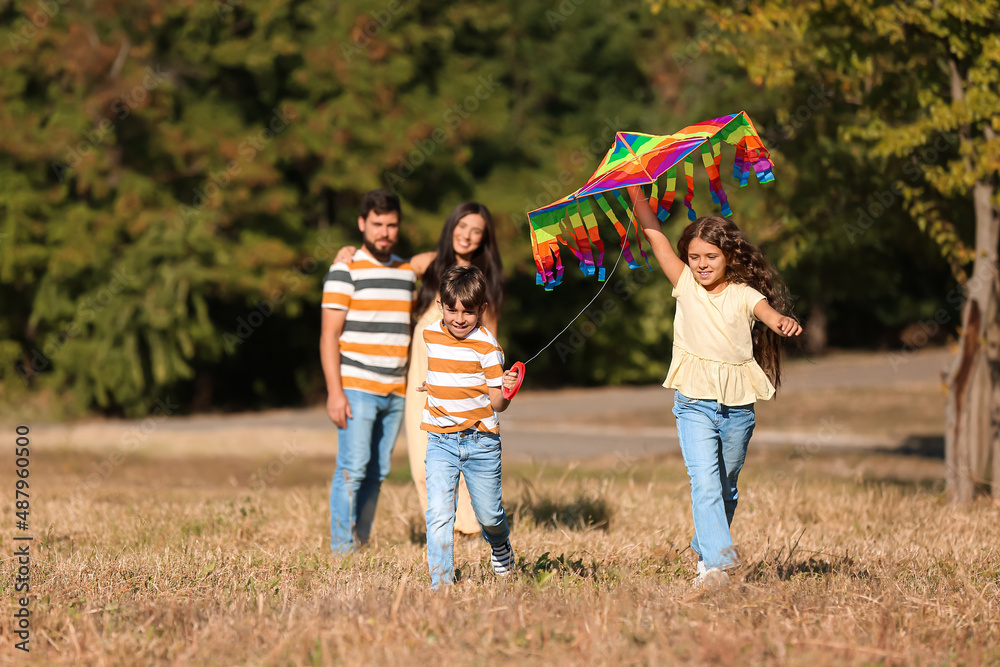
459 374
375 343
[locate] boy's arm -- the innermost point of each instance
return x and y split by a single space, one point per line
671 264
775 321
497 400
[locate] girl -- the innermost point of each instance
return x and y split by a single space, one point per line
722 363
468 238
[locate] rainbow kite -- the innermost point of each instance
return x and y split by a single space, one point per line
641 159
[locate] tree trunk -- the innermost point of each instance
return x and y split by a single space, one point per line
972 413
816 328
972 417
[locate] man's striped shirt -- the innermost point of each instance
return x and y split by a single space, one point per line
459 374
375 343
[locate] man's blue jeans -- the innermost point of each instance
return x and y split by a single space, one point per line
714 440
477 456
363 451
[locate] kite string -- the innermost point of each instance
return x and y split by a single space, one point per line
607 280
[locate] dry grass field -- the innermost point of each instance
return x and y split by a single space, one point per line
848 558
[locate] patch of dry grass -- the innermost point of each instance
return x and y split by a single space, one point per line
169 561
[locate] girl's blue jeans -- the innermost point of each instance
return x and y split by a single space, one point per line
714 440
476 455
363 451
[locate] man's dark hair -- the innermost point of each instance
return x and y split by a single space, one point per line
380 201
463 283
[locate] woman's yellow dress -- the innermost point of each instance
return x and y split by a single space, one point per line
416 438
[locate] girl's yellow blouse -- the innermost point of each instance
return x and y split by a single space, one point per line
713 349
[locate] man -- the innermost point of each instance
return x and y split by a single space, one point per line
364 346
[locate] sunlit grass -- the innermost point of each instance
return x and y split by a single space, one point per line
181 561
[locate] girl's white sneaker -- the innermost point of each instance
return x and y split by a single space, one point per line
711 578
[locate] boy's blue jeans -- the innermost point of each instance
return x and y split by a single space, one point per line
714 440
363 451
477 456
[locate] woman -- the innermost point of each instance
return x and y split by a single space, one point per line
468 238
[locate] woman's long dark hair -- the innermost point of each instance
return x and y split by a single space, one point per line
746 264
486 258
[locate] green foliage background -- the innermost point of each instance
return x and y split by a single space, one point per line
175 177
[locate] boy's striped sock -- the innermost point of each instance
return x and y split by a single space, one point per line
502 558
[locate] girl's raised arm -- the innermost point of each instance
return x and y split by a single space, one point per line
671 264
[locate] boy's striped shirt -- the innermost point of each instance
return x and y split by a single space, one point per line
375 343
459 374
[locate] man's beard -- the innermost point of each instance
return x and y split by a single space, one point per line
376 253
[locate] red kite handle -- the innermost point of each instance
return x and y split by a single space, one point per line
518 368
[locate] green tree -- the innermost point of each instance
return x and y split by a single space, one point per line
923 78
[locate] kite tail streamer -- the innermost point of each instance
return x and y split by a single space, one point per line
605 203
590 221
741 166
579 232
711 156
762 169
639 232
689 177
667 201
717 161
547 259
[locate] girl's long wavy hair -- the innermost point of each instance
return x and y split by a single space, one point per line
746 264
486 258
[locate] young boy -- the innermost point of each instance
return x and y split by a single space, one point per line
464 392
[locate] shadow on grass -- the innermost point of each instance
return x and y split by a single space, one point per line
766 569
925 446
418 530
789 567
584 513
547 566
